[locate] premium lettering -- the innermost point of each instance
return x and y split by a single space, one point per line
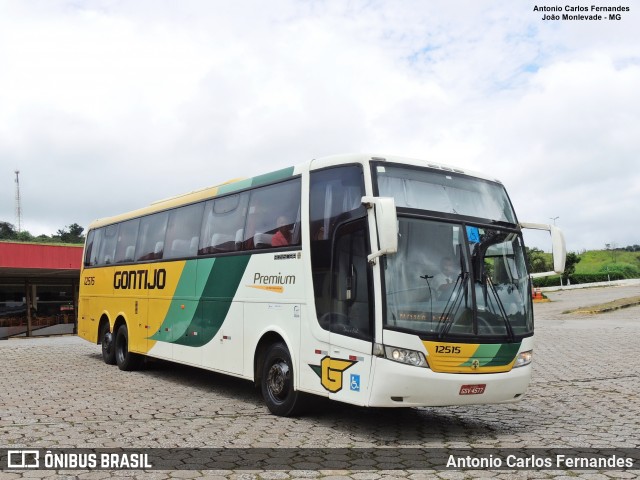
274 279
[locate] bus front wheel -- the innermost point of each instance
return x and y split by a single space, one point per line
108 347
277 382
125 359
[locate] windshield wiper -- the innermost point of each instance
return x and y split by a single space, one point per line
453 304
503 313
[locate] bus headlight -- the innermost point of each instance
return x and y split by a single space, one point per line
403 355
524 358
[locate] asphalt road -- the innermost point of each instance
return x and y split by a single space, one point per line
57 393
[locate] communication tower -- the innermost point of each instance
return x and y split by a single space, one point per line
18 208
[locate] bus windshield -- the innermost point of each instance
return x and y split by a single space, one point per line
451 280
454 279
445 192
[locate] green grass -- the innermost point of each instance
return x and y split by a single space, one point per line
596 266
596 261
49 242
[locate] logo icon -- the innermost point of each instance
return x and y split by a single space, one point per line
332 369
475 364
355 382
23 459
330 372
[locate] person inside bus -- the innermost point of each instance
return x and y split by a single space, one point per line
282 237
446 278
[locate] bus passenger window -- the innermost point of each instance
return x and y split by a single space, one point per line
94 238
274 216
151 236
223 218
108 247
183 231
127 237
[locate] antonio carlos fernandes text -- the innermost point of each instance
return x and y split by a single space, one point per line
534 461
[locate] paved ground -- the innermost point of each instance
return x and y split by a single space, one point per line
57 393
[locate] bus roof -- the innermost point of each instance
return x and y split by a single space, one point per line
334 160
238 184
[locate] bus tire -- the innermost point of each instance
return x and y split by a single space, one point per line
277 382
108 345
125 359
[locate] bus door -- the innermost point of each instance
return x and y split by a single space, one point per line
138 324
346 370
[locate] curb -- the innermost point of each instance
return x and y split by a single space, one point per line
609 306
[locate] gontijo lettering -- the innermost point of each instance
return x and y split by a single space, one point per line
140 279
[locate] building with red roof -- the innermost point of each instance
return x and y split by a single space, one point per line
38 288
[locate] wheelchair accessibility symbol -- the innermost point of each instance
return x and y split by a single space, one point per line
355 383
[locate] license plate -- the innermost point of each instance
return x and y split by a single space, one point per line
473 389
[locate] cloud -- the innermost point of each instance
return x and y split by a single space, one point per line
572 136
108 106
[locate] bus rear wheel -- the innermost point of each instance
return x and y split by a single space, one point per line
277 382
108 347
125 359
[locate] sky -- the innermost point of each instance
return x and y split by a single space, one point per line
107 106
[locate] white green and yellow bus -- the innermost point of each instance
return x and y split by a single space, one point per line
387 282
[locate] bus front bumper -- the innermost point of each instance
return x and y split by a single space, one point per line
398 385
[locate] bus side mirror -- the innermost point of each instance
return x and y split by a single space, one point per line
386 224
558 247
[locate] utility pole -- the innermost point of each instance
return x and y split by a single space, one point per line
18 207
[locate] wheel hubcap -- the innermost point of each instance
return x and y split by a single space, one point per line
278 378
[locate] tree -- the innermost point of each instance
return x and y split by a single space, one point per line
7 231
76 230
24 236
538 260
570 265
71 234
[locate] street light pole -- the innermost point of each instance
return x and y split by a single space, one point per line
554 219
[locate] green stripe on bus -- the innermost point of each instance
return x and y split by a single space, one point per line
234 187
505 355
256 181
493 354
483 354
218 292
177 319
272 176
